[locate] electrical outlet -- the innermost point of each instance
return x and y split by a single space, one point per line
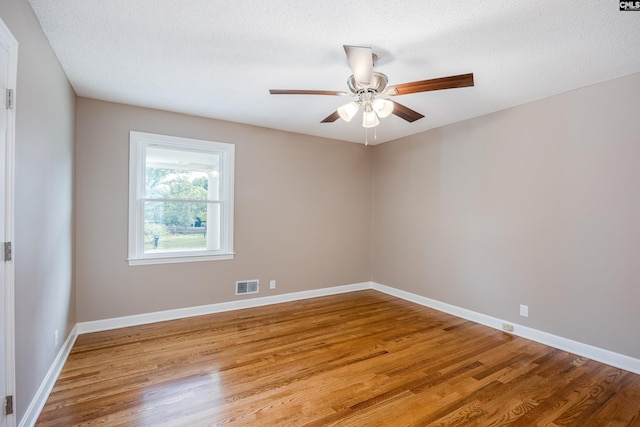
55 339
524 310
507 327
272 284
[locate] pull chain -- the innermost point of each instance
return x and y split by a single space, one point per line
366 135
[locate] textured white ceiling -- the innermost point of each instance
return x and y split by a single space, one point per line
219 58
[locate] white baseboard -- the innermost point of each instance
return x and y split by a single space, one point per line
595 353
37 403
33 411
601 355
160 316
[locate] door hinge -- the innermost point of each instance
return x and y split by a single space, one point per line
9 100
7 251
8 405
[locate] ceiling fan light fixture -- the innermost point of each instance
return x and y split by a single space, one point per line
347 111
369 117
383 107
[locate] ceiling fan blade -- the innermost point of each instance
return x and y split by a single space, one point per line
462 80
361 63
307 92
406 113
331 117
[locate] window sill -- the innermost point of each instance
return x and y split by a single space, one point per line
173 259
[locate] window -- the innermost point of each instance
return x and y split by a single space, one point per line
180 199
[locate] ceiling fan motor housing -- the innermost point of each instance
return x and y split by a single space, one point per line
377 84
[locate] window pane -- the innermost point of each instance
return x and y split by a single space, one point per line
176 226
179 174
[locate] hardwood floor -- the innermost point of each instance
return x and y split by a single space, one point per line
357 359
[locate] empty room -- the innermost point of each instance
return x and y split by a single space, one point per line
330 213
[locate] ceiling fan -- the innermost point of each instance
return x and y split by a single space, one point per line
370 87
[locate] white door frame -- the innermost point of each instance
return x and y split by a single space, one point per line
9 42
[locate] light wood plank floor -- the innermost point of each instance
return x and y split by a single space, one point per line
357 359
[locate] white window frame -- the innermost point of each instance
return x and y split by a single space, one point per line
138 142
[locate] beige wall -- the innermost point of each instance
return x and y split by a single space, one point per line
535 205
302 214
43 251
